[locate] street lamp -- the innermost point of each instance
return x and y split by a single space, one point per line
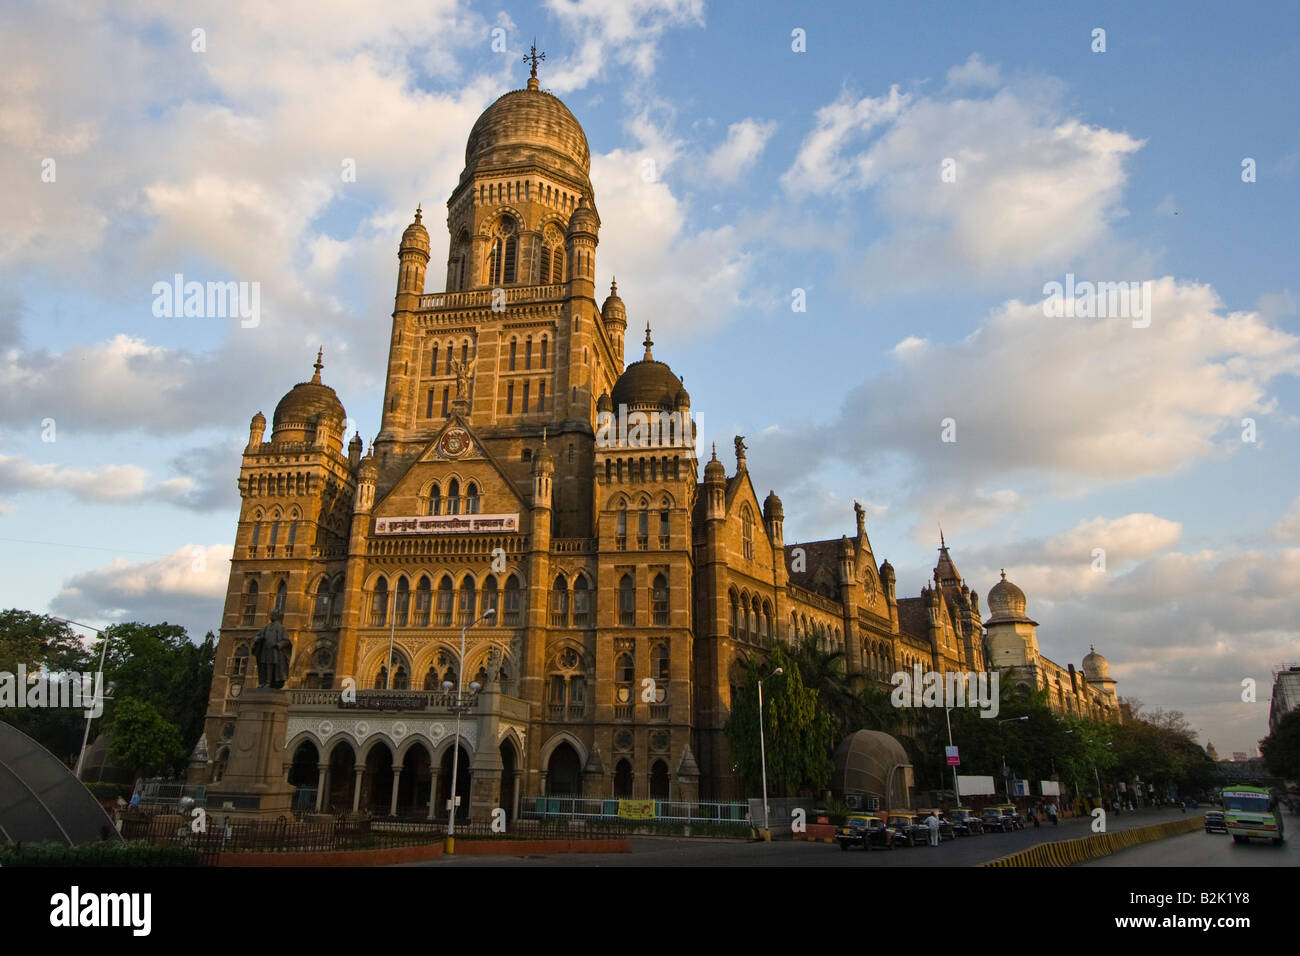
103 652
460 707
762 748
955 789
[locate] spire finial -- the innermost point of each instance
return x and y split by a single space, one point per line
543 436
419 211
613 286
715 451
318 366
1004 574
648 342
943 545
534 58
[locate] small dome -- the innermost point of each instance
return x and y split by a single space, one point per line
647 383
887 570
1095 667
772 510
714 471
416 236
613 310
584 221
259 421
1006 601
604 403
544 460
307 405
369 470
528 127
684 398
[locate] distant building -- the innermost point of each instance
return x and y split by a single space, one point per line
1240 756
1211 752
1286 694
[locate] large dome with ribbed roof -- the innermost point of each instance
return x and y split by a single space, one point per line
528 126
647 383
306 405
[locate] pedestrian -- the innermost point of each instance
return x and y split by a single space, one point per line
1033 815
933 823
1051 814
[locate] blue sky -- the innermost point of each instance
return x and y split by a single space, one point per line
774 170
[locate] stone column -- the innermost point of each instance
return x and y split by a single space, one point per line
322 775
356 786
392 804
433 791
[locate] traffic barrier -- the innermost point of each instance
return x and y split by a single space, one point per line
1069 852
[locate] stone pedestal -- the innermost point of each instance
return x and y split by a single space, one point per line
253 786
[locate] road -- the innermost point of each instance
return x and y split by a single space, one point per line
671 851
1203 849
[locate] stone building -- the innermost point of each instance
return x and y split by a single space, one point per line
532 492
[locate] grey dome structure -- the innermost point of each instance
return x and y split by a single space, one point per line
870 763
40 799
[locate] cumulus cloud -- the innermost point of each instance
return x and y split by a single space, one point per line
736 155
974 72
615 33
971 191
1288 527
112 483
186 587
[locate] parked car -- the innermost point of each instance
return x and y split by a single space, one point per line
991 818
882 834
1010 813
855 832
910 832
946 829
965 822
1214 822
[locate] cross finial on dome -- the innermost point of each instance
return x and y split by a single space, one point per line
533 57
1092 648
648 342
318 366
1004 574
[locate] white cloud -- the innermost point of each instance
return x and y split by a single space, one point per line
974 72
111 483
1288 528
736 155
614 33
186 587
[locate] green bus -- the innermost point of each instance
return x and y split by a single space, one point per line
1252 812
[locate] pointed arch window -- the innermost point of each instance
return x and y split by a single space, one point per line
433 365
557 265
281 594
445 600
490 602
514 603
545 348
514 353
581 603
643 528
471 499
402 603
620 531
660 669
528 352
747 533
560 602
423 601
453 497
321 608
467 604
626 602
659 601
435 499
336 604
250 605
379 603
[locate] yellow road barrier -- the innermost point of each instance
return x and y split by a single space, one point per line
1069 852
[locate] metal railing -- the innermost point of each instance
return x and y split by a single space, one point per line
606 808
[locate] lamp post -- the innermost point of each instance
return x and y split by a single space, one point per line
762 749
955 789
103 652
460 708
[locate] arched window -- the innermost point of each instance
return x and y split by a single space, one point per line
490 602
624 672
379 603
281 594
754 618
423 601
514 349
453 497
293 537
250 605
747 533
765 630
659 601
471 499
336 604
544 272
734 624
663 528
560 602
320 613
435 499
643 528
620 531
659 670
557 265
433 362
402 603
543 353
444 602
239 662
450 346
465 609
514 603
626 602
528 352
581 603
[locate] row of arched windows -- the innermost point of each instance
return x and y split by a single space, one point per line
581 600
643 522
820 634
543 356
249 612
447 357
446 605
751 619
453 503
442 674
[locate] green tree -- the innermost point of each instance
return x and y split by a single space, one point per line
1281 748
39 642
142 739
799 734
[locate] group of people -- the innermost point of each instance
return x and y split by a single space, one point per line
1036 813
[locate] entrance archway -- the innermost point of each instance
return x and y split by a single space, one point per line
462 784
341 777
659 781
564 772
623 780
305 768
377 787
508 766
413 788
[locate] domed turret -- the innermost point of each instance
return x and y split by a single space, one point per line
1095 667
1007 602
647 384
613 310
605 403
306 409
528 127
416 237
714 471
584 222
256 429
772 509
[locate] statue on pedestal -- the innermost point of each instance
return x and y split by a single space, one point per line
273 650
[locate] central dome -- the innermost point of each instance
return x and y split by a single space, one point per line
525 127
647 383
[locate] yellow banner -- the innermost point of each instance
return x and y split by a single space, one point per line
636 809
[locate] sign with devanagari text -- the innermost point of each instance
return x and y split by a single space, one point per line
448 524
